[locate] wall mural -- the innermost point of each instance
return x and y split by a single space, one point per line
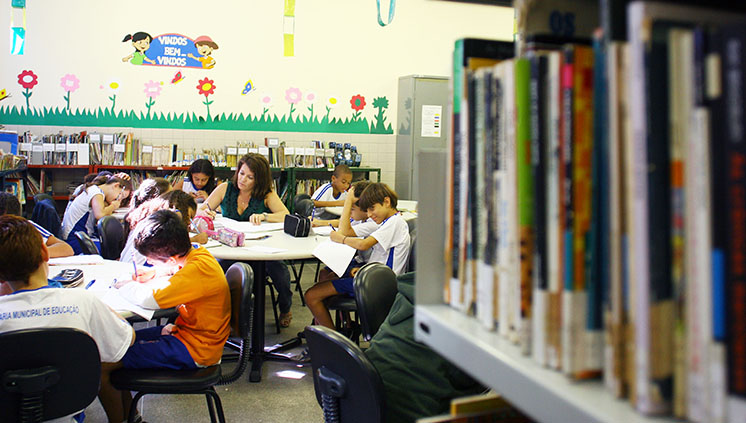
290 110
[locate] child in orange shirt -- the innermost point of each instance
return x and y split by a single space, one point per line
197 286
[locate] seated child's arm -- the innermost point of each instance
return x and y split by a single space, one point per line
100 209
360 244
345 228
334 203
58 247
320 222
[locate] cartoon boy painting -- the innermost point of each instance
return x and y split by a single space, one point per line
205 45
141 42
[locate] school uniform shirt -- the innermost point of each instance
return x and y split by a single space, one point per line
325 193
129 253
368 226
49 307
79 216
188 187
200 292
392 248
44 233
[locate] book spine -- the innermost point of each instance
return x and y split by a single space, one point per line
538 115
570 360
553 214
733 77
525 196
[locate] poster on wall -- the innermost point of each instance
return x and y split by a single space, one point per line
174 50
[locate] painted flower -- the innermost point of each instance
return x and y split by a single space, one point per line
357 102
70 83
332 102
152 89
293 95
310 97
266 101
206 87
380 103
113 86
27 79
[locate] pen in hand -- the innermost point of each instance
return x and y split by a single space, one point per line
330 225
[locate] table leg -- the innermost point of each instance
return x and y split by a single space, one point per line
257 331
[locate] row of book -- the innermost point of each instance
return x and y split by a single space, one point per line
281 155
597 210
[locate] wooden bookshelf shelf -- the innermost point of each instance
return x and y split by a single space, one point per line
59 166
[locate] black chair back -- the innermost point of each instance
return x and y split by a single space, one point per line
375 290
112 237
59 365
45 214
240 278
346 382
86 243
304 207
298 198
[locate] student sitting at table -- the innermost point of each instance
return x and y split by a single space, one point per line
9 204
174 200
248 196
100 198
332 193
388 242
357 216
24 270
149 189
199 181
196 286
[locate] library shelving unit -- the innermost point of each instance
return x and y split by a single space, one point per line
544 394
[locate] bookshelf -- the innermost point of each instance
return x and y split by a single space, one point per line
542 393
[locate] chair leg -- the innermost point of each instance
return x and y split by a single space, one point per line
274 306
297 275
133 408
218 404
210 407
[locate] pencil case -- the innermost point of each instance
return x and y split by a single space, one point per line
202 223
69 278
230 237
297 225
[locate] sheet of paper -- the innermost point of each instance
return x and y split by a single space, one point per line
76 260
431 121
265 250
323 230
335 255
115 301
248 227
211 243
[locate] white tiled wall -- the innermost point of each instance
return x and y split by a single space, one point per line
377 150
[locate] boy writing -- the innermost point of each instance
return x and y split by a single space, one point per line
24 269
332 193
196 286
388 241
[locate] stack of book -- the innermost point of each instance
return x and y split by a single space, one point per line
597 215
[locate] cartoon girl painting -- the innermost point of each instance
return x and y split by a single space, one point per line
205 45
141 42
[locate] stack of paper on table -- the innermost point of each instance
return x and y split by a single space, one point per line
248 227
76 260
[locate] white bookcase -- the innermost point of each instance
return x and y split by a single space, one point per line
544 394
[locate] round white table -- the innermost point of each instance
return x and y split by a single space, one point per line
293 249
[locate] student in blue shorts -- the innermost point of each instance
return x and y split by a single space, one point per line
388 241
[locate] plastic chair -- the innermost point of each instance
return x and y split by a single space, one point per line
112 237
299 198
304 207
375 290
47 373
200 381
348 387
86 243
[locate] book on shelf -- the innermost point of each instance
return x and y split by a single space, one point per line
595 209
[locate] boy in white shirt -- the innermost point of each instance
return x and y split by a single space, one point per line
332 193
24 269
388 241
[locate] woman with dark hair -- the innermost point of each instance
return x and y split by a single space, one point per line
141 43
199 181
248 197
99 198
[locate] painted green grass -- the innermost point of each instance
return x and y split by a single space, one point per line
233 122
